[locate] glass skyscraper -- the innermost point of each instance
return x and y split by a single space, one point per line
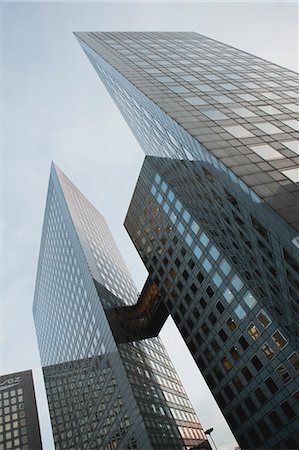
215 214
102 393
19 425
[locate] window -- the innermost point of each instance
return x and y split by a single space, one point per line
288 410
238 383
231 324
226 364
271 385
266 152
186 216
215 115
264 429
268 128
263 318
260 396
195 227
220 307
267 350
294 360
223 335
217 279
207 265
250 405
195 101
253 331
246 373
292 174
292 145
197 252
235 354
284 375
238 131
178 89
257 363
279 340
242 341
240 312
243 112
225 267
204 239
249 300
214 252
228 295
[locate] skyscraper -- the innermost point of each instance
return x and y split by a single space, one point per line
102 393
19 425
215 215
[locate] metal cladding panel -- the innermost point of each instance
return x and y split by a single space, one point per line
242 109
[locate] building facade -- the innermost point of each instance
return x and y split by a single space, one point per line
219 232
102 394
19 425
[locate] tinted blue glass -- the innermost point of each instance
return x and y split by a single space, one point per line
214 253
153 190
173 217
217 279
186 216
166 207
240 313
181 228
164 186
189 239
197 252
237 283
225 267
178 205
204 239
228 295
207 265
159 198
249 300
157 179
170 196
195 227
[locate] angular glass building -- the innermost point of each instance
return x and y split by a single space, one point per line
215 215
19 424
103 393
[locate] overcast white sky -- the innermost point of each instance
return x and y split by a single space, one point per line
55 108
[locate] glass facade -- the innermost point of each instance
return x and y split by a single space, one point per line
19 425
215 212
101 393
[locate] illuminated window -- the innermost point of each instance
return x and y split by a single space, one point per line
267 350
279 340
263 318
284 375
231 324
253 331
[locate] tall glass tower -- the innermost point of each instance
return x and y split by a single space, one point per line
102 393
215 214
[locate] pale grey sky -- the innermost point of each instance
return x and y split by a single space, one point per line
55 108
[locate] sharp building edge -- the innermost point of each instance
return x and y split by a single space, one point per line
101 394
215 215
